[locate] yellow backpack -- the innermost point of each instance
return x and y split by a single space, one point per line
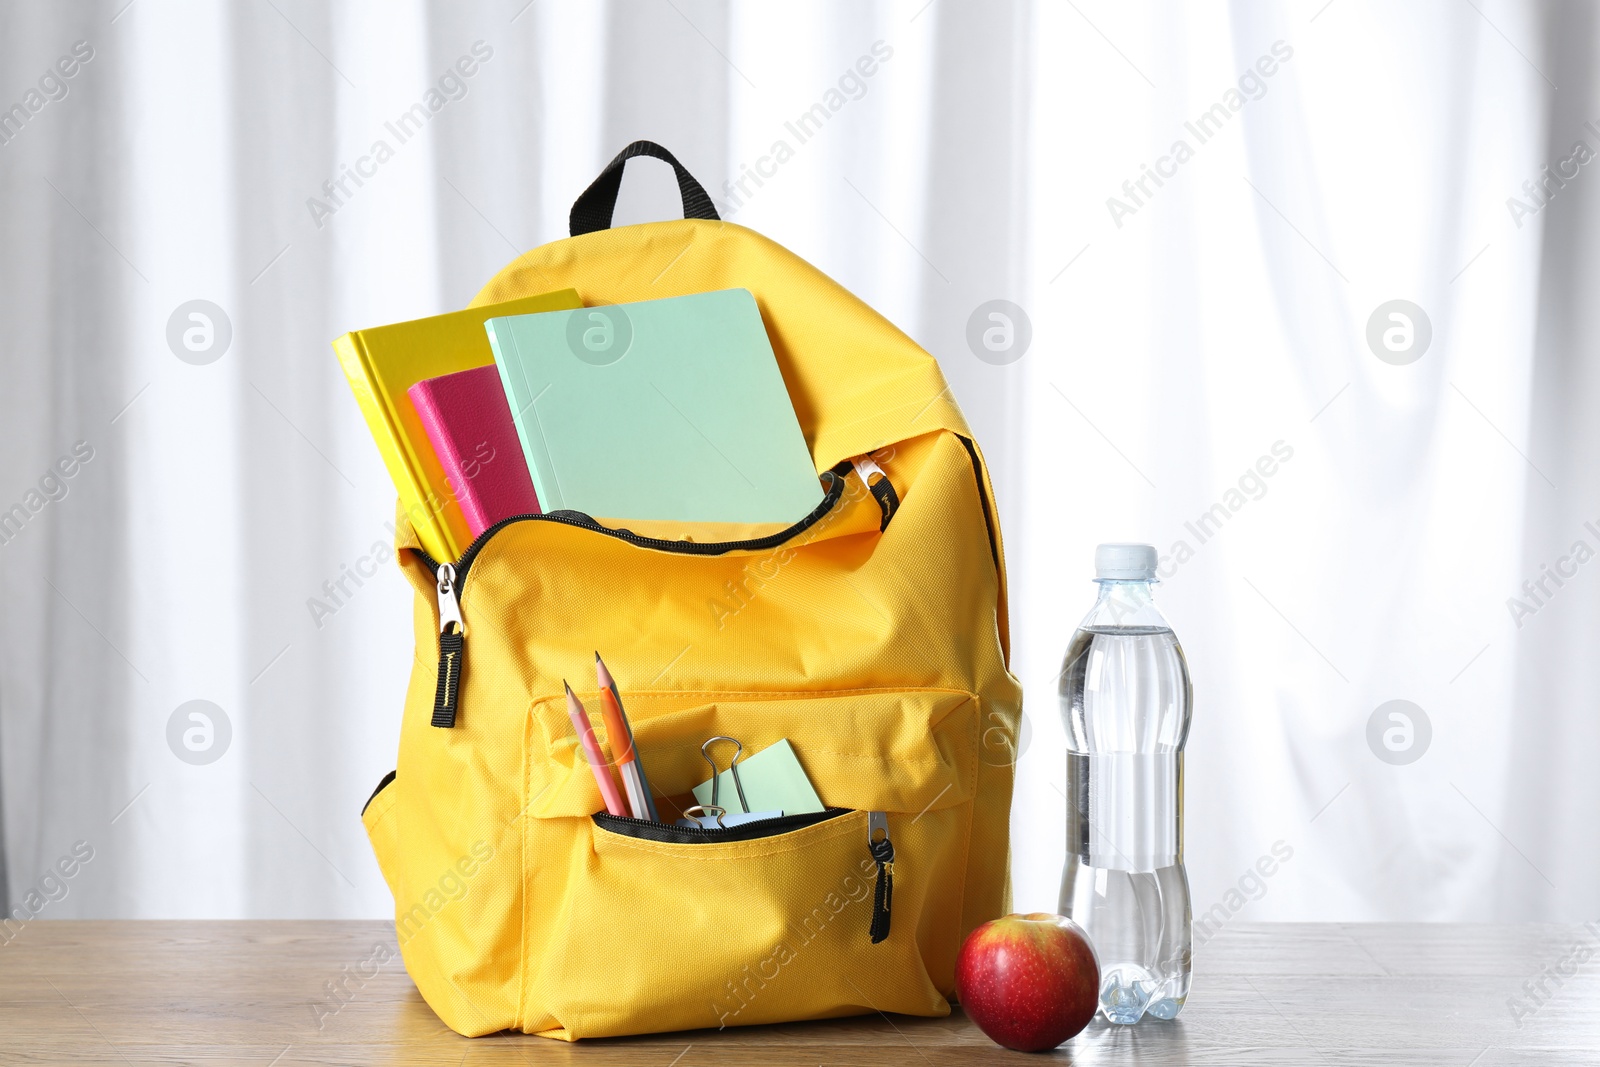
871 634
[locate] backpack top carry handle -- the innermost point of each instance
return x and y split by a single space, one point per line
593 208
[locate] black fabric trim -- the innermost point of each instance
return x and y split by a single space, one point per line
883 892
888 500
594 206
388 778
689 835
452 648
983 495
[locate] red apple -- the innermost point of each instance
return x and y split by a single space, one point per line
1029 981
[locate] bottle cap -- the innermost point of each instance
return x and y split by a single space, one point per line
1125 562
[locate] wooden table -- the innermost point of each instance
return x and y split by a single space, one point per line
217 993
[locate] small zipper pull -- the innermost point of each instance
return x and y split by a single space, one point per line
882 854
452 649
882 490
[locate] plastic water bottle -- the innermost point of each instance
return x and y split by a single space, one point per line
1125 702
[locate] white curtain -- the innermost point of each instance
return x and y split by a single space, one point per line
1199 317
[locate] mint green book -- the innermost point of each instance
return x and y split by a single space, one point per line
668 409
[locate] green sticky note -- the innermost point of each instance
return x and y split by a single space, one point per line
773 781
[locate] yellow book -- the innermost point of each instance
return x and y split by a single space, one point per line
383 362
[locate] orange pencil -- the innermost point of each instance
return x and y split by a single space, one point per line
620 732
592 754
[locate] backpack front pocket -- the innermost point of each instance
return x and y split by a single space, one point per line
648 927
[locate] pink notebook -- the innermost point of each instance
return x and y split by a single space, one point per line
468 421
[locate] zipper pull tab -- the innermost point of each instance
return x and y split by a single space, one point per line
882 490
882 854
452 649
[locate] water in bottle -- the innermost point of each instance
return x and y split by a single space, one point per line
1125 701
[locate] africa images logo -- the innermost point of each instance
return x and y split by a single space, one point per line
1250 86
599 336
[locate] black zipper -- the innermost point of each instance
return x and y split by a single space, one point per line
882 850
878 846
836 486
697 835
451 581
451 577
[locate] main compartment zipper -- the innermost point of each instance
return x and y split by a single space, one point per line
835 479
450 577
452 646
